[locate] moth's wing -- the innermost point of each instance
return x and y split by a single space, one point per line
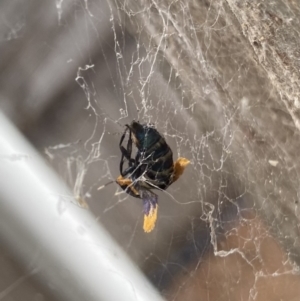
150 208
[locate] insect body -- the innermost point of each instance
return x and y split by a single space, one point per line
154 158
152 168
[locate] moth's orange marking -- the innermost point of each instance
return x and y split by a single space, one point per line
126 182
150 219
179 167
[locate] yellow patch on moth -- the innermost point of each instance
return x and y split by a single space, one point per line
126 182
179 167
123 181
150 219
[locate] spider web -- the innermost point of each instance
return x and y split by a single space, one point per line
228 228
